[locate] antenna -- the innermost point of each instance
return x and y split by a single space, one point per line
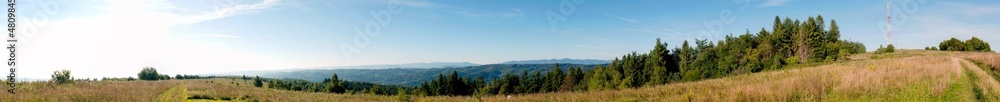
888 14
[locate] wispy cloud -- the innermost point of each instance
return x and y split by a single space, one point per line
416 3
230 11
621 18
587 46
770 3
222 36
970 9
477 14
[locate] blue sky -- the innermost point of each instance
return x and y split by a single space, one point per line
91 37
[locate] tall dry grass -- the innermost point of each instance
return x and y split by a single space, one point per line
988 87
221 88
135 91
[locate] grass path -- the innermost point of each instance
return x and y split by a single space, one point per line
175 94
986 87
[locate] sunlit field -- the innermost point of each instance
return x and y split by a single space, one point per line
909 75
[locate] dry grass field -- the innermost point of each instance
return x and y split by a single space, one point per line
907 75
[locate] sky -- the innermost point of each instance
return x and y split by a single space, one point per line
117 38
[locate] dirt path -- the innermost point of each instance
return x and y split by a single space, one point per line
176 94
986 87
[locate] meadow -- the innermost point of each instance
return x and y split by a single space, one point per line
906 75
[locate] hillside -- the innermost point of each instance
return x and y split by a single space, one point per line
901 76
411 76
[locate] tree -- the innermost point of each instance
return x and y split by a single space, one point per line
570 80
335 85
976 44
552 79
401 95
257 82
890 48
178 76
377 89
62 76
952 45
973 44
163 77
149 73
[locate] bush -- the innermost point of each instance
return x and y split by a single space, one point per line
257 82
402 96
973 44
149 73
887 49
62 76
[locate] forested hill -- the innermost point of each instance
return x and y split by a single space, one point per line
788 42
413 76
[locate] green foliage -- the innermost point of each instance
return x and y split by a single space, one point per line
62 77
976 44
973 44
952 45
257 82
163 77
888 49
178 76
414 76
149 73
401 95
788 42
334 85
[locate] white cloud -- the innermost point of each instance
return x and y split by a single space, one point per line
513 13
621 18
229 11
770 3
222 36
416 3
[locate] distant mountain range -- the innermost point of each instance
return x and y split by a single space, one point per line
408 65
564 60
415 73
413 76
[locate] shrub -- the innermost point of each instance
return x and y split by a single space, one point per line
62 76
149 73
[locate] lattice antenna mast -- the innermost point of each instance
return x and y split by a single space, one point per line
888 14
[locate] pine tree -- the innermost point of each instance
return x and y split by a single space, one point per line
257 82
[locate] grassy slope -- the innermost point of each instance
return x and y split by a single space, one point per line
902 76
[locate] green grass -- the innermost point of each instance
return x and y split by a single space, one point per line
176 93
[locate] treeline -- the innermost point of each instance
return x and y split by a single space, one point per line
788 42
332 85
150 74
887 49
973 44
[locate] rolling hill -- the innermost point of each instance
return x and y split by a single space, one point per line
412 76
414 73
909 75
